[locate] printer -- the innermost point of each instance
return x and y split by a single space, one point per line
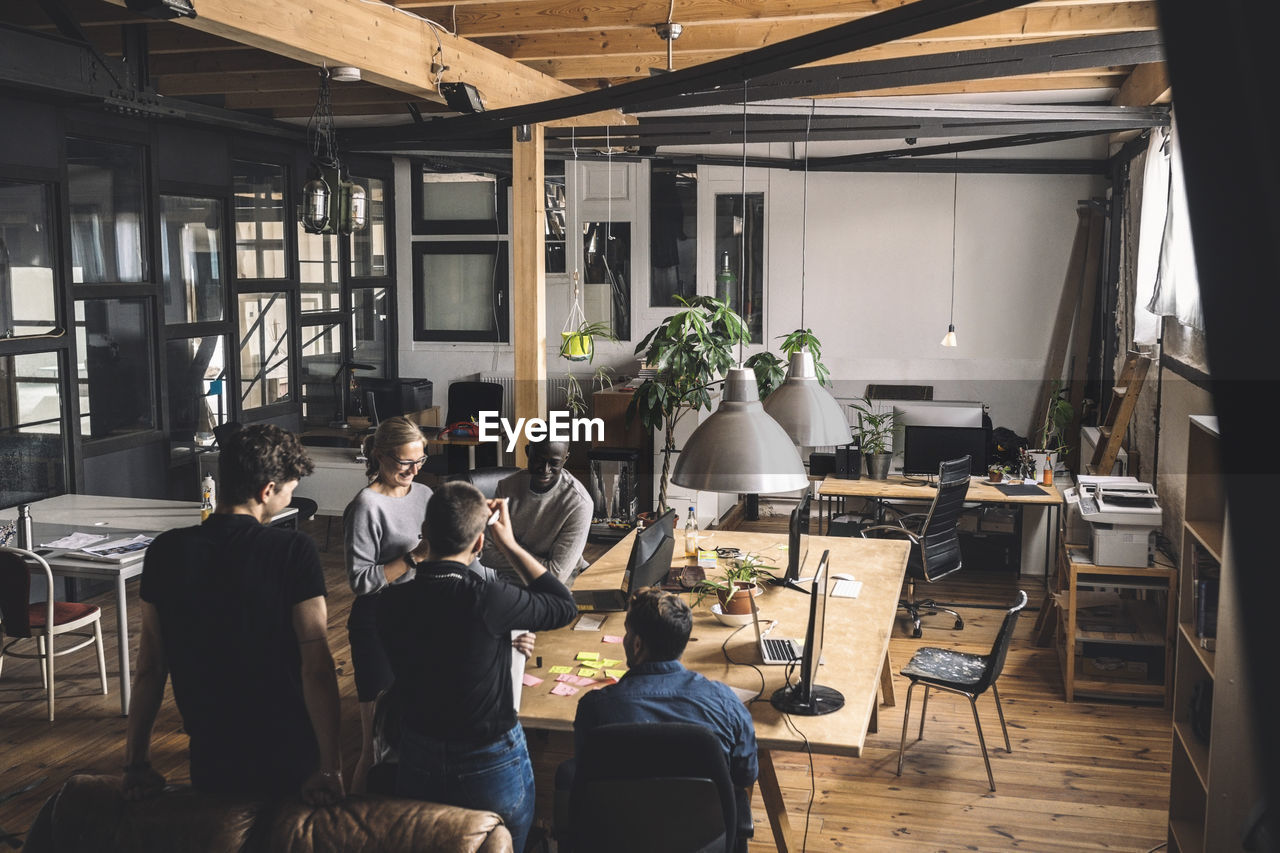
1121 513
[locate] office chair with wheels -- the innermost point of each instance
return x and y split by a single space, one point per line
640 787
967 674
935 544
467 399
43 620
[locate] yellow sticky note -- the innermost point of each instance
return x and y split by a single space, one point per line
588 656
609 662
558 670
615 673
587 673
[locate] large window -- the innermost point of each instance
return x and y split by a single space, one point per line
319 272
259 220
116 373
32 452
27 303
370 328
369 246
197 386
606 275
264 349
673 234
106 188
193 267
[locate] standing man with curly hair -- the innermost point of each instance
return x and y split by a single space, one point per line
234 610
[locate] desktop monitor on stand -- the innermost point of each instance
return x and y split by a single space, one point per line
925 448
806 697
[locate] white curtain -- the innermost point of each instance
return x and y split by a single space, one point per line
1166 281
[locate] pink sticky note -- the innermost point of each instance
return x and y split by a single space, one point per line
580 680
610 638
564 690
531 680
566 678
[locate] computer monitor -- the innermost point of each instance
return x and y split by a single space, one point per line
925 448
651 554
798 537
806 697
937 413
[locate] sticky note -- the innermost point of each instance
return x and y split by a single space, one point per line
588 656
566 678
587 673
609 638
615 673
564 690
558 670
580 681
609 663
531 680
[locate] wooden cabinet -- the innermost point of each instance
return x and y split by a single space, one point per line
1112 627
1213 779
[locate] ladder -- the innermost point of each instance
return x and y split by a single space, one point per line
1124 397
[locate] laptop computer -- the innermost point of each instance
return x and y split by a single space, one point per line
774 650
648 565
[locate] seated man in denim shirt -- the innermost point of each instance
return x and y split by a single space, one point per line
657 687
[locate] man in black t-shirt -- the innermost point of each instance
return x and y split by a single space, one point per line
447 634
234 611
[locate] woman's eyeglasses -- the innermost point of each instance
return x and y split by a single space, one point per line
411 463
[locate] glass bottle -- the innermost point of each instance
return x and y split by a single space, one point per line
206 497
726 280
691 535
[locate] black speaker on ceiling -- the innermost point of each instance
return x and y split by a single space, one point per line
162 9
462 97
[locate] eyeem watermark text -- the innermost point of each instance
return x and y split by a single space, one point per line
559 427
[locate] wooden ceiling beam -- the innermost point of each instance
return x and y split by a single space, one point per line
1148 84
186 85
392 48
223 62
1029 22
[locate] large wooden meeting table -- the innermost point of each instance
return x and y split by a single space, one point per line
855 651
56 517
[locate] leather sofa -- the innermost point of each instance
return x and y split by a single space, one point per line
88 814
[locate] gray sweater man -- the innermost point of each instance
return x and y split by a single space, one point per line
550 513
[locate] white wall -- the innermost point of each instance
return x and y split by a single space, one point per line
877 276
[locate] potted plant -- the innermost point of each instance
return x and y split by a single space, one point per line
1052 433
771 371
739 579
997 472
874 433
691 350
579 345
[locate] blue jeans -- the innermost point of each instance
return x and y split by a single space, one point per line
496 776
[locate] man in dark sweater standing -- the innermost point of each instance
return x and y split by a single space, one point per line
448 636
234 611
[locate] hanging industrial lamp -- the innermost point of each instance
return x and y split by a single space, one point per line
807 411
331 202
740 448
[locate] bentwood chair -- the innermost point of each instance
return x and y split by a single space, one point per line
935 543
967 674
640 787
45 620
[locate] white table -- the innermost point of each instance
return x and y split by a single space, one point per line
54 518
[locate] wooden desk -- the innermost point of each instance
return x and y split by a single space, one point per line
856 652
470 443
54 518
1039 523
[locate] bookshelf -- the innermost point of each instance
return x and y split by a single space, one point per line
1213 779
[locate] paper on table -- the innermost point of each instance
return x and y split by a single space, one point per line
589 622
588 656
615 673
119 546
564 690
75 540
560 670
610 638
587 673
531 680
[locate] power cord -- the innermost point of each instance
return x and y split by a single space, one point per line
813 785
724 650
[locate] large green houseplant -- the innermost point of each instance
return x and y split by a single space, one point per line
691 350
771 370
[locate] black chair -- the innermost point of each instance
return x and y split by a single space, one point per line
640 787
935 545
467 399
486 479
964 673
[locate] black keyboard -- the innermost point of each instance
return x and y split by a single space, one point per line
780 649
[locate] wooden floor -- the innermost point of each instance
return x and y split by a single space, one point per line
1081 776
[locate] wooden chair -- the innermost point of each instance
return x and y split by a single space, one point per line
42 621
967 674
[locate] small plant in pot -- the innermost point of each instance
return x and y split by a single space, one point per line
739 579
1052 433
874 434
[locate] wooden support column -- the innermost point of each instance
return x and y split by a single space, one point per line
529 294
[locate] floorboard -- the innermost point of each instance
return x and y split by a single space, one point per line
1081 776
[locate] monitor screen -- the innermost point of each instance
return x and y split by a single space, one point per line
798 537
807 697
927 447
651 554
936 413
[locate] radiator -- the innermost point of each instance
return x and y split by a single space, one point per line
556 385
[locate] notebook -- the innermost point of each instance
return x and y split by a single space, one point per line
117 551
774 651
